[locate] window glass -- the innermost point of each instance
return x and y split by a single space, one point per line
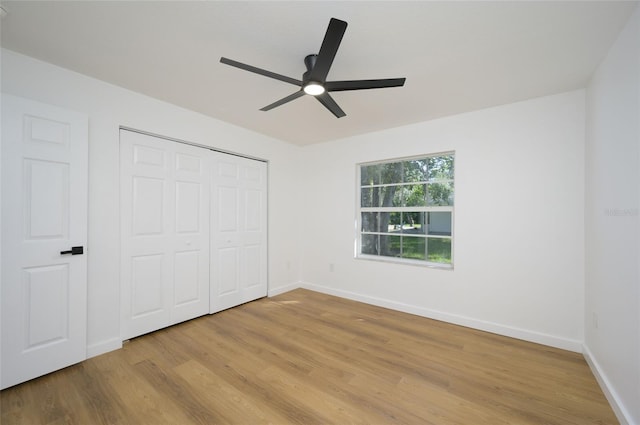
370 175
389 245
415 222
440 193
440 167
391 173
415 170
415 195
439 250
414 248
370 222
370 244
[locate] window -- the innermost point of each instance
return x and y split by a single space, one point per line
405 210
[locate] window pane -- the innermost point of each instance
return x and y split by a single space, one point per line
390 246
415 170
415 195
439 250
370 197
440 193
386 196
439 223
390 222
370 222
394 193
440 167
414 223
414 248
370 174
391 173
370 244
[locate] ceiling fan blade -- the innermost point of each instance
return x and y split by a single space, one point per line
330 104
261 71
363 84
328 50
284 100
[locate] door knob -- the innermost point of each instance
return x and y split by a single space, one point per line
75 250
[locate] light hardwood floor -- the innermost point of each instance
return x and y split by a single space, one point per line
309 358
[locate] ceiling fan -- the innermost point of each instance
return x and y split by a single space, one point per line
314 80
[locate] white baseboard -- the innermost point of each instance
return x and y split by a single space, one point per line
618 407
282 289
103 347
526 335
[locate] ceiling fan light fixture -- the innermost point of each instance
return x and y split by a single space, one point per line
313 88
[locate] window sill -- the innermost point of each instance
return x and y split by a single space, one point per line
403 261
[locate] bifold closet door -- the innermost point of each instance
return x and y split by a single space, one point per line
238 231
164 232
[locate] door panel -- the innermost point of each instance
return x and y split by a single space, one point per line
187 272
148 285
227 205
148 206
44 212
46 188
187 207
46 303
164 232
253 259
228 266
253 211
146 155
191 239
239 231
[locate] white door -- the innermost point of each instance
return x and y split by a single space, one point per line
238 231
44 214
164 232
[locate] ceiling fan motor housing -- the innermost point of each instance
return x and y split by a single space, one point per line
309 62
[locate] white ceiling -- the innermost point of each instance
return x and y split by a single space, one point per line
457 56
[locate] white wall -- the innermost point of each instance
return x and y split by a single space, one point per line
110 107
612 229
519 259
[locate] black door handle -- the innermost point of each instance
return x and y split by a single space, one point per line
75 250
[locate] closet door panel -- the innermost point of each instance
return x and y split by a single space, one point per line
239 231
164 232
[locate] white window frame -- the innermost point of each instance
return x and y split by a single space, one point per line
359 210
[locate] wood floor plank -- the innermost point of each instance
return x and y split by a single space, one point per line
131 387
225 398
310 358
